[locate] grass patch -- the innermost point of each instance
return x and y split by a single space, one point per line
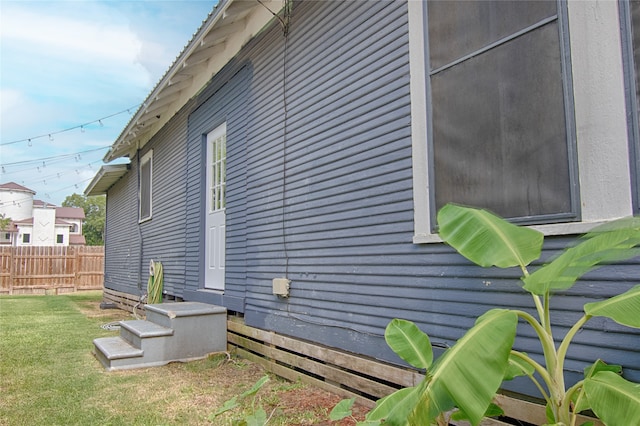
48 375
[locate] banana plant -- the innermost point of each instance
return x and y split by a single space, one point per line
464 380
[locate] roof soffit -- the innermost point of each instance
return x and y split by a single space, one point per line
230 26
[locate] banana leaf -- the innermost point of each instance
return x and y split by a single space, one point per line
396 408
493 411
580 400
517 367
409 343
487 239
611 244
470 372
613 399
623 308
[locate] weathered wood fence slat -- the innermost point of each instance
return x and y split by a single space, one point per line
40 270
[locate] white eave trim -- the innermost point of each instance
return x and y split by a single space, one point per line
227 29
105 178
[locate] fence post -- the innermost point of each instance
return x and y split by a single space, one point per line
76 262
11 268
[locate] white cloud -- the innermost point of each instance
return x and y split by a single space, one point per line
64 63
87 40
71 38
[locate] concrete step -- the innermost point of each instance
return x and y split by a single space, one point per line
167 314
135 331
114 352
181 331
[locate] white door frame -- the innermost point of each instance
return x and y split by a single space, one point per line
215 187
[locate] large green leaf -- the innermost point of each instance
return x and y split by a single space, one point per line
493 411
409 342
258 418
342 409
256 387
487 239
435 400
623 308
518 367
613 243
613 399
471 371
580 400
598 366
396 408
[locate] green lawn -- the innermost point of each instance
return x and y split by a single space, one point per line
48 375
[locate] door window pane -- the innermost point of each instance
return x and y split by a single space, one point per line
218 173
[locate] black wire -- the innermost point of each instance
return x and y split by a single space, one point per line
287 12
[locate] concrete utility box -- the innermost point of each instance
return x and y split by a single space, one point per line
281 287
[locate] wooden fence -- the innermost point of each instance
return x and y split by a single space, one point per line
51 270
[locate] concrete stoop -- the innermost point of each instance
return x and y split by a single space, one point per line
181 331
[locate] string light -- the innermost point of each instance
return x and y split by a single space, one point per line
79 126
47 194
56 157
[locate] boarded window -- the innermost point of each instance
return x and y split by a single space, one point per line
146 164
498 124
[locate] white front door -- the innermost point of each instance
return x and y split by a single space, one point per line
215 209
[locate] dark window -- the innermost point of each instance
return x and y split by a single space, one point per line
498 126
631 52
145 185
60 239
26 238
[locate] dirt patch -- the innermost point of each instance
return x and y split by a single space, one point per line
320 401
189 393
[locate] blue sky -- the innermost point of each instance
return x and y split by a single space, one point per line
69 71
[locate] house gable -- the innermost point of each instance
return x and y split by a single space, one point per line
222 35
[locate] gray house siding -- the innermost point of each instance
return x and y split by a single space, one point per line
130 246
122 239
224 101
343 230
320 191
164 235
346 179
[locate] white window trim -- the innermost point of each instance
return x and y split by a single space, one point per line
147 158
600 119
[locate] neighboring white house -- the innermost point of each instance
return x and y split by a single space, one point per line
37 223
